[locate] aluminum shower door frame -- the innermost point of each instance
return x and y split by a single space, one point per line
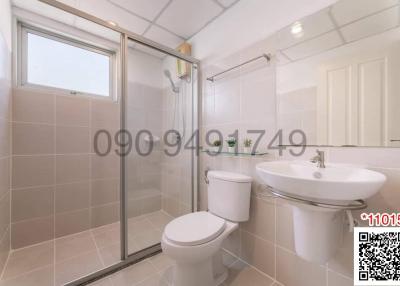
126 35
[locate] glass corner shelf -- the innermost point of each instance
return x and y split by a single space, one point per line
234 154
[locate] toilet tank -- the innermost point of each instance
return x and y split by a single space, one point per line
229 195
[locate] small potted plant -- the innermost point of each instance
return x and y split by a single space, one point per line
216 146
231 144
247 145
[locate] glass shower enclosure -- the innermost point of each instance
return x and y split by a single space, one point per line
156 144
159 121
159 172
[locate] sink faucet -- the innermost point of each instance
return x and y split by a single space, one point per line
319 159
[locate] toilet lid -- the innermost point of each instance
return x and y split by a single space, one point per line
194 228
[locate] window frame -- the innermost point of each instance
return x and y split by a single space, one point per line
22 61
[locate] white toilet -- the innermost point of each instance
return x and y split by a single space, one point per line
194 240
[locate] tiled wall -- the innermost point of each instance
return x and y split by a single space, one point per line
298 110
5 113
266 241
176 170
59 185
144 172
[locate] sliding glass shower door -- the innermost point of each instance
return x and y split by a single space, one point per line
125 158
160 117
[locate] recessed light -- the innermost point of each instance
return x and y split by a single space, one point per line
297 29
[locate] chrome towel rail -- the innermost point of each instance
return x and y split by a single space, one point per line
263 56
355 205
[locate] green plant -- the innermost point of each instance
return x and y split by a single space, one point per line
217 143
231 142
247 142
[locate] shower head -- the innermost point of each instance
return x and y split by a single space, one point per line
175 89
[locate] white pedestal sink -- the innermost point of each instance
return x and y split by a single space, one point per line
318 230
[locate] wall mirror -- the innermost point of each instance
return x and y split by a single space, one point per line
338 75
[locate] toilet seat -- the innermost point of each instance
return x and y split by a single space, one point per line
194 229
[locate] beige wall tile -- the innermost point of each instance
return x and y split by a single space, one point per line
104 191
262 219
33 106
32 203
388 198
72 168
257 252
257 94
71 139
105 167
170 206
73 196
105 214
151 204
72 111
104 114
4 248
4 214
33 231
5 143
32 139
5 135
134 207
4 175
291 270
99 140
153 181
72 222
6 93
152 97
29 171
372 157
227 101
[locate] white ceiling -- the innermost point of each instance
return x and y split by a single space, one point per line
169 22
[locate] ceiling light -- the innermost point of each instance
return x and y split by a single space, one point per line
297 29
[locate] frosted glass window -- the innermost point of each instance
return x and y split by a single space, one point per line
69 66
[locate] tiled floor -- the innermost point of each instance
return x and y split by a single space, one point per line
62 260
57 262
157 271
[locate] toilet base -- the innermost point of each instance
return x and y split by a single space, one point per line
198 265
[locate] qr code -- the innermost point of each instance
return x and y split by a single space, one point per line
377 256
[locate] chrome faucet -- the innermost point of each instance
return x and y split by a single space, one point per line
319 159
